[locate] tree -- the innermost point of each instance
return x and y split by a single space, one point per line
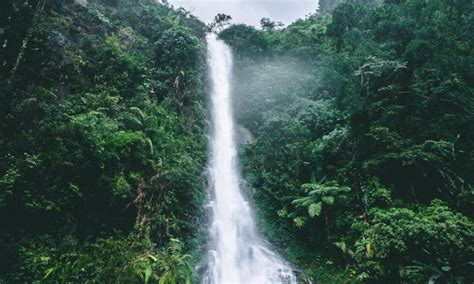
220 21
269 25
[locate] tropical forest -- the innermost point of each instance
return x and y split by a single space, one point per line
145 142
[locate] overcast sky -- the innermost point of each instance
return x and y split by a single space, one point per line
249 11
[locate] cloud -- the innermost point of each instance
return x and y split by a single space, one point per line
249 12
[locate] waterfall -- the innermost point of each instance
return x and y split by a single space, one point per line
237 253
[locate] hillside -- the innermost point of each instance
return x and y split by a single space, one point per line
363 125
101 141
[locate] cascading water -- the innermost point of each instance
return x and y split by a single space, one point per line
237 254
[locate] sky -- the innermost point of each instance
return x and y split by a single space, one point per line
249 11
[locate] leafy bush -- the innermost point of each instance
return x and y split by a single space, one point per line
372 98
95 159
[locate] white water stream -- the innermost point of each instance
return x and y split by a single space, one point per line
237 253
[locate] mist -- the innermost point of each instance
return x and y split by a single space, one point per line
250 12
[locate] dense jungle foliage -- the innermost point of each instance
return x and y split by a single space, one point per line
362 164
101 141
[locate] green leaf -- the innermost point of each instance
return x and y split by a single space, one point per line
315 209
302 202
48 272
329 200
446 268
342 246
299 222
148 273
138 112
149 144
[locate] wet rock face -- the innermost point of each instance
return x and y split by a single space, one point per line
57 38
81 2
56 45
243 135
